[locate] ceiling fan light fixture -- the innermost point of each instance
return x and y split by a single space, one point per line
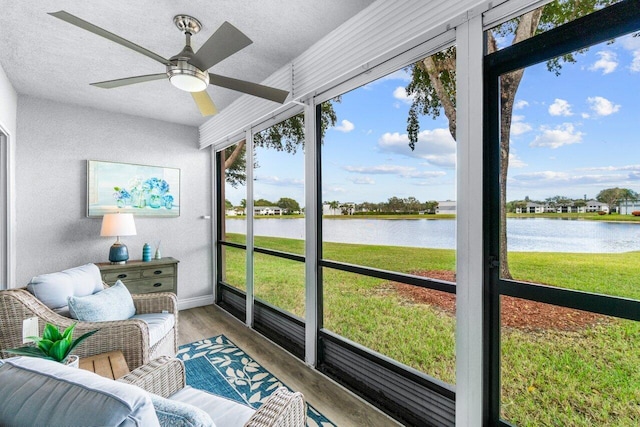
188 82
186 77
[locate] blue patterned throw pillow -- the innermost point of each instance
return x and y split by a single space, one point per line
114 303
178 414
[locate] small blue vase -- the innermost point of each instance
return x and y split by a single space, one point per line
146 253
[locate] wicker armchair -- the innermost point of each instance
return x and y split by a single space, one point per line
165 376
130 336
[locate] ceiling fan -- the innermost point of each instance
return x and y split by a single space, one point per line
188 70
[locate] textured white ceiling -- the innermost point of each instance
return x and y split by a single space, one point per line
49 58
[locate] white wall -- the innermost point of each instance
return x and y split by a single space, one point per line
8 107
54 233
8 102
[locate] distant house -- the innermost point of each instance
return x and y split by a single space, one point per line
446 207
570 208
532 207
625 208
596 206
268 210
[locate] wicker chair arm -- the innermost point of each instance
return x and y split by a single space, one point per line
283 408
163 376
130 336
156 302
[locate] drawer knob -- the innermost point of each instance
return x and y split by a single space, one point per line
121 276
157 272
157 285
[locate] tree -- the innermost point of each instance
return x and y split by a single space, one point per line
227 204
412 204
287 135
263 202
395 204
289 204
334 205
433 84
430 206
613 196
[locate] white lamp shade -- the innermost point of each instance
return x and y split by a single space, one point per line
118 224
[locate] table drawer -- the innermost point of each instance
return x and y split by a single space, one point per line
159 284
111 277
165 270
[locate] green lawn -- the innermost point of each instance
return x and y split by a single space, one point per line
549 377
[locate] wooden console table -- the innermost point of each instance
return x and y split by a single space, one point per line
109 365
157 275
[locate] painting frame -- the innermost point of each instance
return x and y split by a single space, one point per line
143 190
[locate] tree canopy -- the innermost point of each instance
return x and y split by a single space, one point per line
433 83
613 196
289 204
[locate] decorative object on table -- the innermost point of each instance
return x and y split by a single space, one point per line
146 253
130 188
54 345
118 224
157 254
219 366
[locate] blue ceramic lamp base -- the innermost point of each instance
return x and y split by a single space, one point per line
118 254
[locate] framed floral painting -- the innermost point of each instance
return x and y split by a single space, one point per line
129 188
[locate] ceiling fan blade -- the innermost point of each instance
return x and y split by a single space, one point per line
226 41
74 20
204 103
110 84
255 89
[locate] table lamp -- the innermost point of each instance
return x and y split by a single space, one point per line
118 224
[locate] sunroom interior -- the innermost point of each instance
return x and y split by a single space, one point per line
468 330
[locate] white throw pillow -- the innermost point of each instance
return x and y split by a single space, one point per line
53 289
114 303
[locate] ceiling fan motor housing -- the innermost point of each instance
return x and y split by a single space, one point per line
181 73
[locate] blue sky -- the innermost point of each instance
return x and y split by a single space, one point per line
572 135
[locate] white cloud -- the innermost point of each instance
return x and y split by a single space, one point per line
515 161
436 146
632 44
520 104
333 189
613 168
283 182
602 106
564 134
608 62
549 179
560 107
345 126
363 180
518 126
635 63
400 93
402 171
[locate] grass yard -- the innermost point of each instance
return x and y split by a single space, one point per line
584 377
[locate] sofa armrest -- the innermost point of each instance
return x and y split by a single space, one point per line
163 376
283 408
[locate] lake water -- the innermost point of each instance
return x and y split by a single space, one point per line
530 234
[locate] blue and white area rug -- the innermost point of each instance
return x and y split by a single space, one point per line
219 366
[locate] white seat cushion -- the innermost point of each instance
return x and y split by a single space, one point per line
159 325
38 392
223 412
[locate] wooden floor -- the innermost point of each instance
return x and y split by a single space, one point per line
335 402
